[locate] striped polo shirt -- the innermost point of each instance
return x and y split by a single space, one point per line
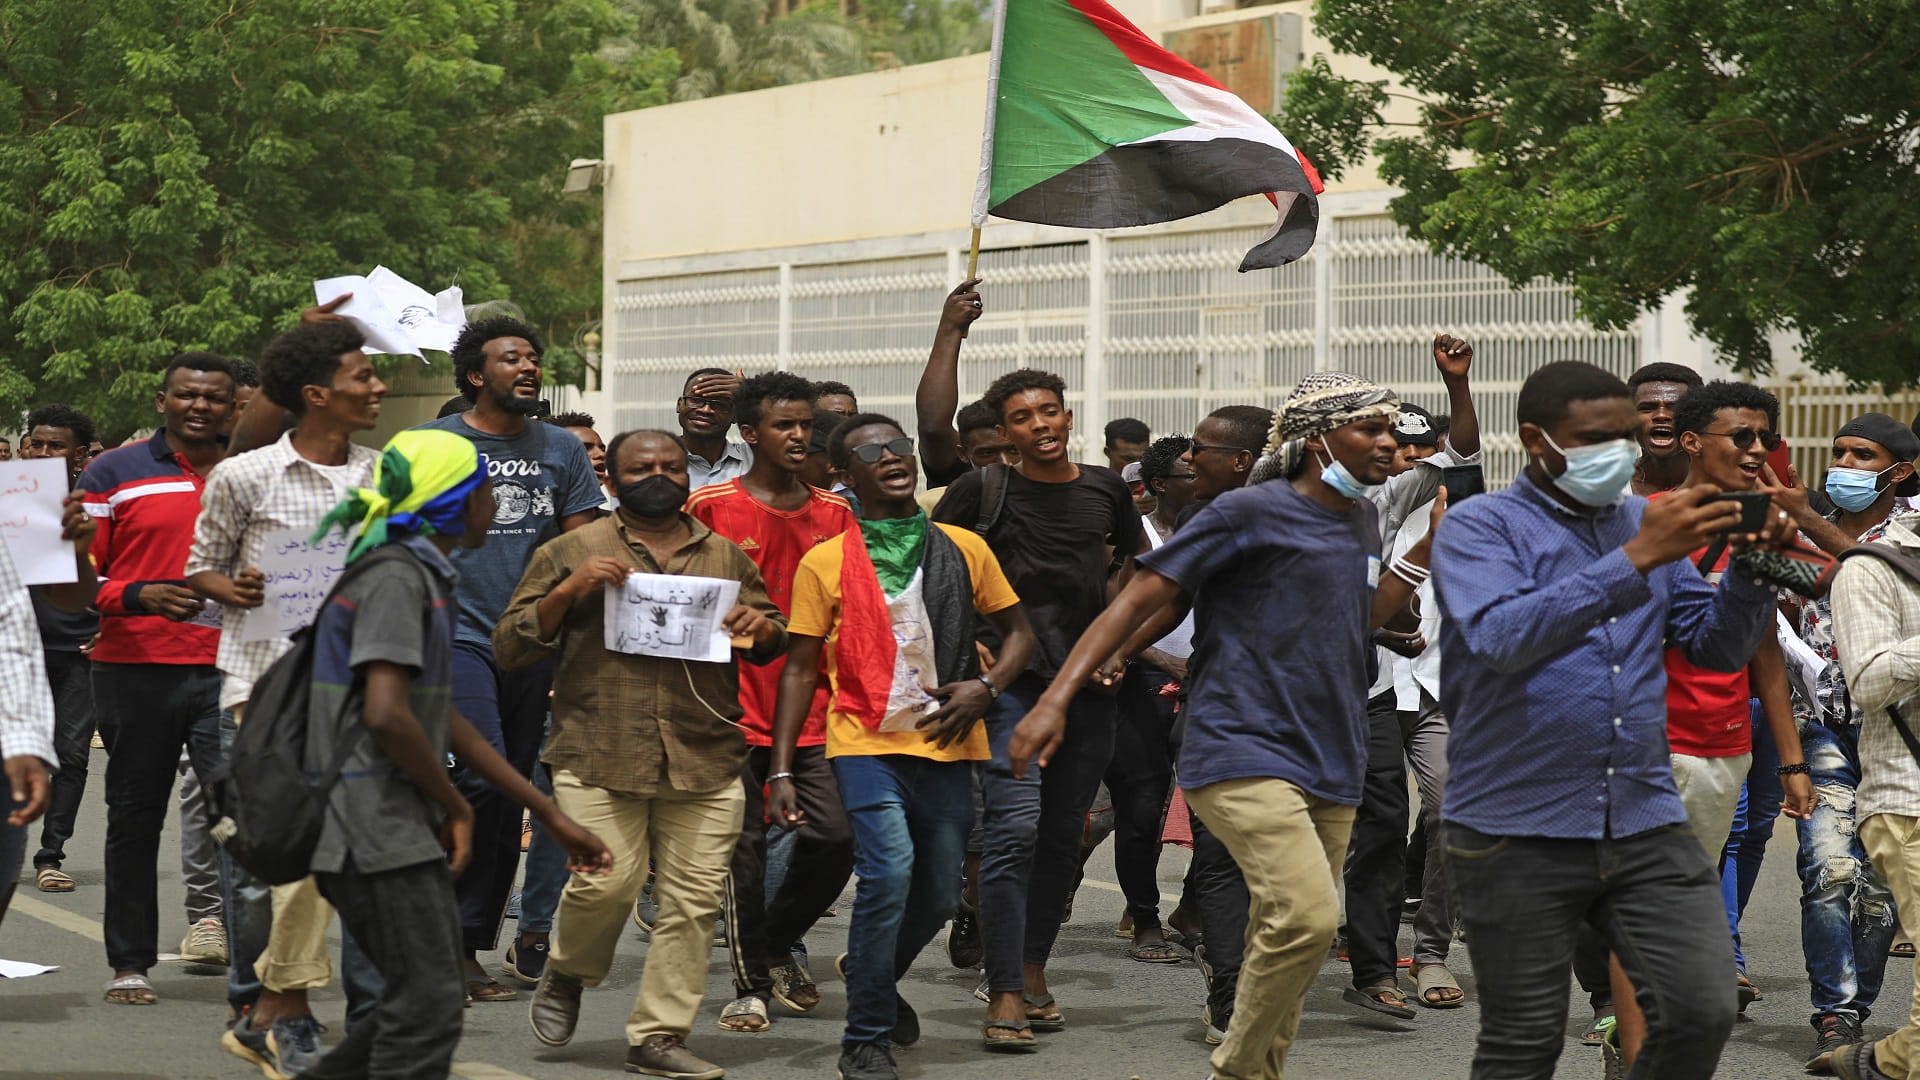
145 498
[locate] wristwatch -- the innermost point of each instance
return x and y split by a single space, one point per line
993 692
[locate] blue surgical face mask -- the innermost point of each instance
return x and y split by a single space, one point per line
1339 479
1853 489
1597 475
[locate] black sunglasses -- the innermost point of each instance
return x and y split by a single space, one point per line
1197 447
1745 437
871 453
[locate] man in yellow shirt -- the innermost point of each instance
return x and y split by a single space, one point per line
894 603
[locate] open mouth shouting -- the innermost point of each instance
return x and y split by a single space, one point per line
895 478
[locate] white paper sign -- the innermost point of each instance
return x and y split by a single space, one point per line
299 576
20 969
671 616
396 315
30 497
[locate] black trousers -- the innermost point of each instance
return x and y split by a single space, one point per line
1139 779
147 713
70 674
1653 897
408 926
509 709
822 864
1376 854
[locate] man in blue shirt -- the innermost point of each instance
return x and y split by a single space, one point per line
1559 596
1275 749
541 478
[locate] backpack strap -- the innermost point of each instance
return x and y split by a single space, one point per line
993 497
1910 567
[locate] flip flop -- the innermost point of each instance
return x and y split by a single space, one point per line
50 879
747 1015
1428 978
1022 1041
1056 1022
1374 998
1156 952
131 990
485 989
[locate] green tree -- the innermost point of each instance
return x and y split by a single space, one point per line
1758 156
727 46
179 171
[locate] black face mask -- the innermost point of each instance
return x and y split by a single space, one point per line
655 496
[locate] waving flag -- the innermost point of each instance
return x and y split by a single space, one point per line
1091 124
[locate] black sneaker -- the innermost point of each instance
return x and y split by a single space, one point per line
964 950
1835 1031
866 1061
525 966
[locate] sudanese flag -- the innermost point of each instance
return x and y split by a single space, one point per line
1091 124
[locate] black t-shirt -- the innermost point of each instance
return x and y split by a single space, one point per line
1051 540
61 631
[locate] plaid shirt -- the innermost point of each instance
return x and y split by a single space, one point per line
1876 627
26 703
635 724
246 498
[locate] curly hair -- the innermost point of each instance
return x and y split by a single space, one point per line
975 416
768 386
1127 429
1547 393
1157 462
469 349
307 355
1020 381
830 387
1247 425
1697 407
569 420
56 415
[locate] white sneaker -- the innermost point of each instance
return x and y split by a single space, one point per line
205 943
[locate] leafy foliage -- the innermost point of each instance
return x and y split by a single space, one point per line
1759 156
179 172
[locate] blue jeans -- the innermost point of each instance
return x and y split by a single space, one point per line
248 904
509 710
1031 851
910 817
1846 910
1652 898
1753 819
546 871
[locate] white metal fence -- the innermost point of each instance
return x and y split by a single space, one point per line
1156 325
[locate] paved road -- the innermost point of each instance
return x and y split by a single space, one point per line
1128 1019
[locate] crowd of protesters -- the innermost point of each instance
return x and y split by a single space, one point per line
956 660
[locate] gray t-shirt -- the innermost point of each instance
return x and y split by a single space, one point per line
539 476
398 611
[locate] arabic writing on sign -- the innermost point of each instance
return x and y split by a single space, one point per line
299 577
672 616
30 493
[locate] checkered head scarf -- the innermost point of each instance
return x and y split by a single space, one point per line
1323 401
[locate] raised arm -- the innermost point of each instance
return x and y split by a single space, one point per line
1454 357
937 398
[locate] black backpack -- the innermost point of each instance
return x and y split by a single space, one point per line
267 807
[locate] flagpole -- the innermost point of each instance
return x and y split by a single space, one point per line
973 255
983 184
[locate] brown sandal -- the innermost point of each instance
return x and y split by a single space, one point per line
481 988
1383 997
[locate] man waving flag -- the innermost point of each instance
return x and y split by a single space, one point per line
1091 124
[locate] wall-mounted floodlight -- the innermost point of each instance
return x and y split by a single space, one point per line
585 174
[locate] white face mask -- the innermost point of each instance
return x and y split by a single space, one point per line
1596 475
1336 476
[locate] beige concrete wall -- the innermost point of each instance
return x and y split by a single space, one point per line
886 154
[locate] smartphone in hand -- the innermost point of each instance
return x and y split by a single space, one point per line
1753 509
1462 481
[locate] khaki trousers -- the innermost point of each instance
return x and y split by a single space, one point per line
296 954
690 838
1290 847
1893 849
1710 791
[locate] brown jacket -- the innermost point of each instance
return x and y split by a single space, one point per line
635 724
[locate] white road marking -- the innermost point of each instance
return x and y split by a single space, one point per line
89 929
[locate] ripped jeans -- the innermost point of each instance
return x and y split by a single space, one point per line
1846 910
